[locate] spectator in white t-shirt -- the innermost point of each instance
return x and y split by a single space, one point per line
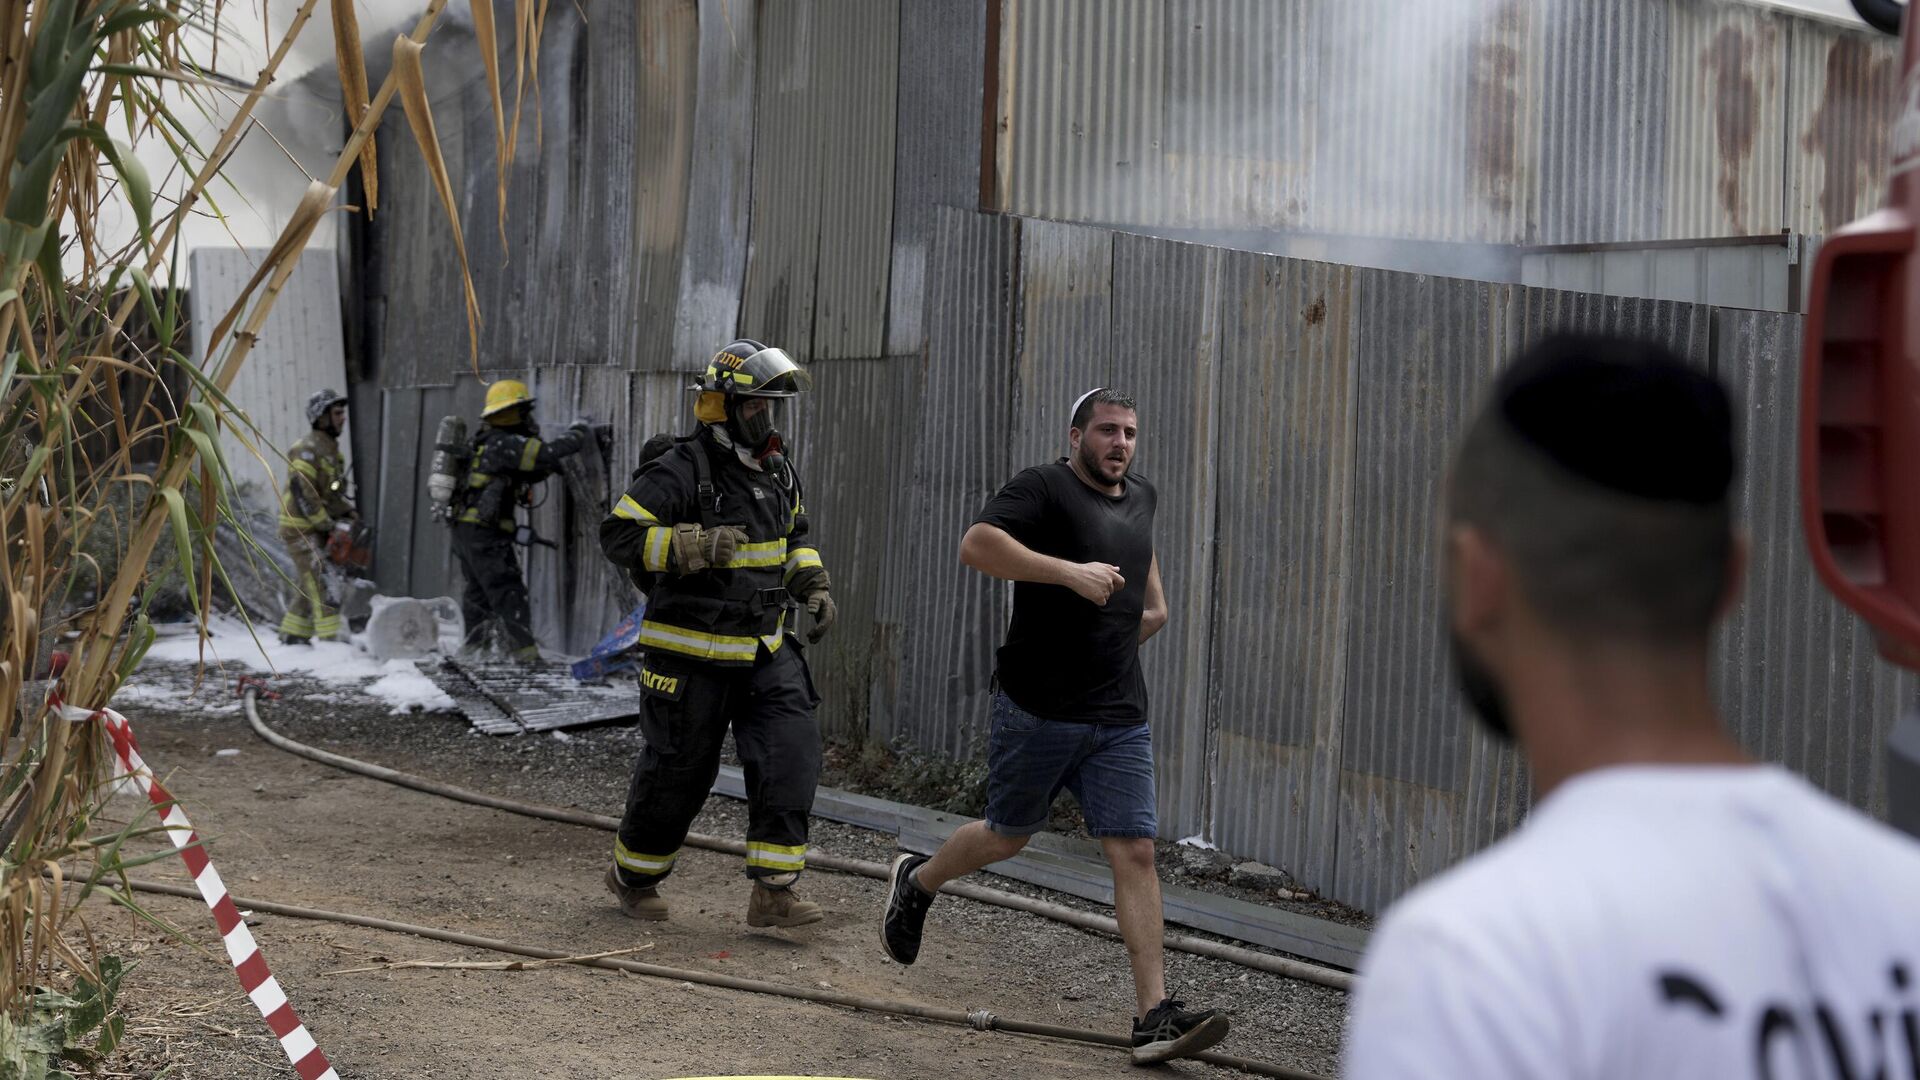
1671 908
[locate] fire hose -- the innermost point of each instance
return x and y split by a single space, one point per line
1277 965
979 1019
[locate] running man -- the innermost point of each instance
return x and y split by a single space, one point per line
1070 707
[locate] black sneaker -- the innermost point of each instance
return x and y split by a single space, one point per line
906 911
1168 1033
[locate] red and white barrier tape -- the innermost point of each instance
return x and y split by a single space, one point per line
258 982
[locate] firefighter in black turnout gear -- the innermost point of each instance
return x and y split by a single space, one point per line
716 533
505 458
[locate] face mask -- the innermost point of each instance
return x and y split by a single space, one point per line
1481 690
756 433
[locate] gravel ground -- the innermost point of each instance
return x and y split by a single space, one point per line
1083 975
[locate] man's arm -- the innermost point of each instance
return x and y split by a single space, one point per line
993 551
638 534
1154 617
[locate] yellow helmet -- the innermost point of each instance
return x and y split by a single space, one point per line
504 395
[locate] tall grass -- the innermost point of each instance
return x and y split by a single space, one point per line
111 469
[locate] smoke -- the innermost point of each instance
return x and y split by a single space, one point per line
1371 132
299 127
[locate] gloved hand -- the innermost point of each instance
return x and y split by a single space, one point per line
809 586
581 427
821 607
696 549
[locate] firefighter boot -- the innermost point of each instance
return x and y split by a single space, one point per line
777 906
635 903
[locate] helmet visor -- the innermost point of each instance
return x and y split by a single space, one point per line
771 373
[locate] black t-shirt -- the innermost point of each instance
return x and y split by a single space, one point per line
1066 658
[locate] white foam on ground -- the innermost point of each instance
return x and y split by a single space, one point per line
230 649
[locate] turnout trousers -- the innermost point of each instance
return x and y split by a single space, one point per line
309 615
686 708
494 592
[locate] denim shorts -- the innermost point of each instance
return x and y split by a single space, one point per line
1108 767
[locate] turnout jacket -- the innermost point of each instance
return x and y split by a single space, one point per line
503 464
315 494
720 616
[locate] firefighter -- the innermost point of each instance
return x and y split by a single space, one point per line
716 530
312 502
505 458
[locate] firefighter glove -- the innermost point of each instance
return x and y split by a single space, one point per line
696 549
820 605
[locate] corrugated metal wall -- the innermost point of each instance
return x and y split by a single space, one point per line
299 351
1297 418
1503 121
806 172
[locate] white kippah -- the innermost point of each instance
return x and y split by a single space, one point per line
1081 400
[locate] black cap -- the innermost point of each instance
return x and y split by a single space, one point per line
1628 415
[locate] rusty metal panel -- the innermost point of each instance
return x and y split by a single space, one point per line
396 516
1414 792
1726 77
1166 311
853 440
1842 94
937 147
1083 89
948 619
577 594
1799 676
1281 582
823 168
1066 339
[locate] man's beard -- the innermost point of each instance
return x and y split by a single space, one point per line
1095 465
1482 691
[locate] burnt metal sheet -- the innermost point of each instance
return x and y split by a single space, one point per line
422 337
1726 124
1843 93
1166 311
1284 540
936 147
714 252
948 619
507 698
577 594
853 443
823 169
397 514
586 268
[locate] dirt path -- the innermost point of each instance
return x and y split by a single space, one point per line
287 830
